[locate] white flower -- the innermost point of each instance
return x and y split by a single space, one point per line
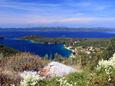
30 78
64 82
107 65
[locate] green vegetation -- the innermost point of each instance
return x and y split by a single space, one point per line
85 78
12 65
7 51
89 53
70 41
25 62
48 40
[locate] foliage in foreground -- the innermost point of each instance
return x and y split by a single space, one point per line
104 75
9 77
30 79
74 79
25 61
7 51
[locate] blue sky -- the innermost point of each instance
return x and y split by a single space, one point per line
67 13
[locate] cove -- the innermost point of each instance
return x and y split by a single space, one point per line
37 48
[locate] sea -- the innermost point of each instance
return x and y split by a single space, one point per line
12 40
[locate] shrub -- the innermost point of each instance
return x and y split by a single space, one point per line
25 61
30 78
9 78
65 82
107 65
80 78
7 51
98 79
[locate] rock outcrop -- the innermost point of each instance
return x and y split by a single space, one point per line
55 69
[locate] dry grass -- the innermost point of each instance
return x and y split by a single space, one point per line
25 61
9 77
12 65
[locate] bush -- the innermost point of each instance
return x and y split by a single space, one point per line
107 66
30 78
7 51
106 70
9 78
80 78
25 61
98 79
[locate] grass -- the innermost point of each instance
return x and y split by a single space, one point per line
25 61
84 78
9 77
12 65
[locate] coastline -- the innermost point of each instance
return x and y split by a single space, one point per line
72 49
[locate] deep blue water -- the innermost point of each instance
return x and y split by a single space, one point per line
37 48
66 34
43 49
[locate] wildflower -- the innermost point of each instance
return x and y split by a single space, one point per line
107 65
30 78
64 82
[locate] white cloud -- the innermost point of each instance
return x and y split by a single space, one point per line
69 12
36 19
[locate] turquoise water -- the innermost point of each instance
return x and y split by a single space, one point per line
37 48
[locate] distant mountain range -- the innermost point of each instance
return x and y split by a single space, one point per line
96 29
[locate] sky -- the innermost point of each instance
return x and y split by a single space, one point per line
53 13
